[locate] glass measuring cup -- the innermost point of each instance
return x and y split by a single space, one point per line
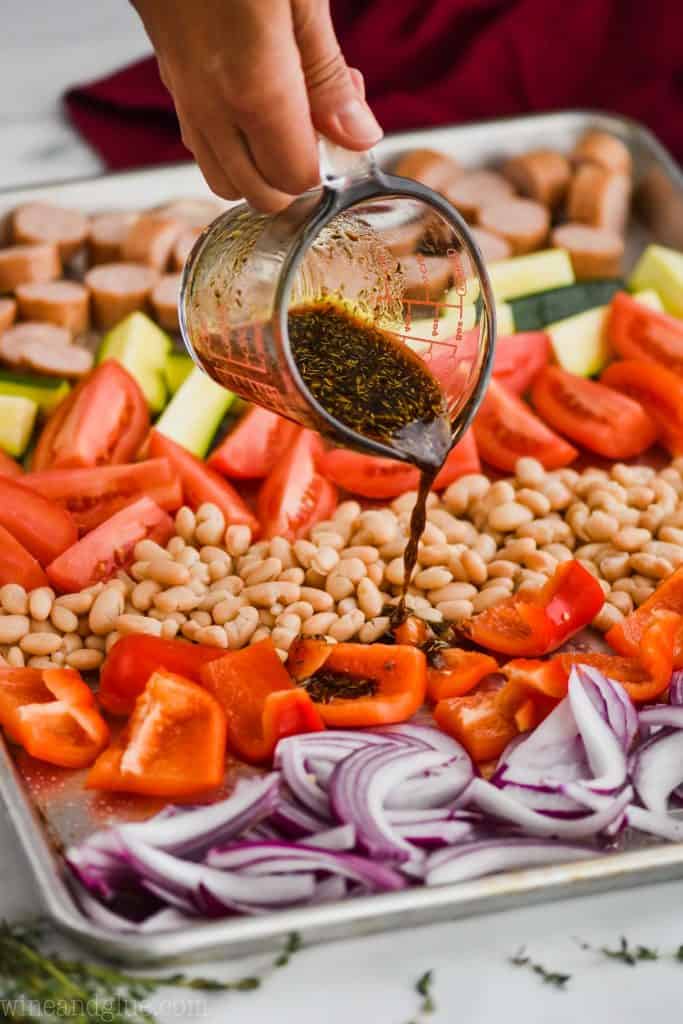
389 250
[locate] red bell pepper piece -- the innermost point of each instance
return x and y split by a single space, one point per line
173 745
528 625
457 672
52 714
391 681
261 703
482 721
626 636
411 631
134 658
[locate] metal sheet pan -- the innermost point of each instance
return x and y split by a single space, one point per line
49 810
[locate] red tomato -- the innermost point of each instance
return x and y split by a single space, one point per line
637 332
295 496
506 429
8 467
519 358
257 443
200 483
593 415
95 494
41 526
109 546
103 421
658 390
17 565
374 477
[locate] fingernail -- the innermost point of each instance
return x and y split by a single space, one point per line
356 119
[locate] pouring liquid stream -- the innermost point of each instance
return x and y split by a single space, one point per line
373 384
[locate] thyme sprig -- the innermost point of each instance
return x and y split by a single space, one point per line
554 978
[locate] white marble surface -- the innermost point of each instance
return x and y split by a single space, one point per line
47 45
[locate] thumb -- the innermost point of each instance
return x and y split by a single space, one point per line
335 92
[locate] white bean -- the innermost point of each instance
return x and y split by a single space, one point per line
40 603
14 599
13 628
107 606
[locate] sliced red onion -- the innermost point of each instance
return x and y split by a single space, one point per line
275 859
663 825
666 715
551 800
431 834
358 790
657 769
295 820
417 816
552 754
191 833
330 890
494 801
166 920
605 752
233 891
434 788
424 735
343 837
612 702
474 860
676 688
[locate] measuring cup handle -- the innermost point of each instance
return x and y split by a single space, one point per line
339 166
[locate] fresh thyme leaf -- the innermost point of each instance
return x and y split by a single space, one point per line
679 954
423 987
292 946
554 978
630 955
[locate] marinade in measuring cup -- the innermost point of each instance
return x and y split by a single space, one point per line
370 382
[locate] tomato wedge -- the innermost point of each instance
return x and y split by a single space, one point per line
52 713
8 466
173 746
295 495
531 624
254 446
95 494
109 546
374 477
637 332
592 414
134 658
17 565
506 429
103 421
519 358
200 483
658 390
43 527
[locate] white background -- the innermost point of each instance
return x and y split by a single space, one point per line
45 46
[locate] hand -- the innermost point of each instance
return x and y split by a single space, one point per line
252 81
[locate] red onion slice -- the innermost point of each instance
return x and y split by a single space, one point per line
662 825
490 856
657 769
604 750
676 688
665 715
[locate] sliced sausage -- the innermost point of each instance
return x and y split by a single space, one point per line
118 289
542 174
433 169
605 150
493 247
44 348
183 246
599 198
64 303
107 233
34 223
150 240
594 252
426 277
20 264
164 300
195 212
8 312
477 189
523 223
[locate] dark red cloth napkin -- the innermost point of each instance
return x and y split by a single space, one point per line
445 61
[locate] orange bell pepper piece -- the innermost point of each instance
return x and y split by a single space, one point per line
457 672
391 681
173 745
547 678
626 636
481 721
260 700
52 714
528 625
411 631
